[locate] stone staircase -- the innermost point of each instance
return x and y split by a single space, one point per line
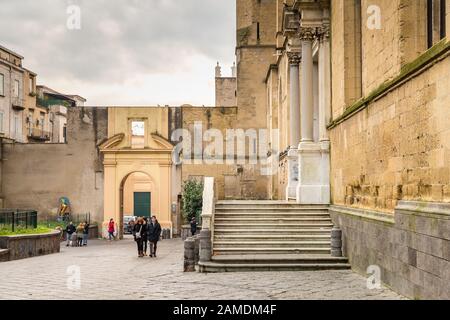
271 235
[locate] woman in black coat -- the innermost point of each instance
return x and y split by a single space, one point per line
138 232
154 232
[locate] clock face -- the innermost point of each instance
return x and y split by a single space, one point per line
137 128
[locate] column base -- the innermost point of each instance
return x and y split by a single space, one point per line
291 188
314 174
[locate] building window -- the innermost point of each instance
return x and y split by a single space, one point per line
1 122
17 127
137 134
16 88
31 85
2 84
436 24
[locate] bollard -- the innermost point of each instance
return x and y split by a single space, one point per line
197 248
189 255
205 245
336 242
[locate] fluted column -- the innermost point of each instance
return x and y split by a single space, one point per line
307 101
294 76
324 83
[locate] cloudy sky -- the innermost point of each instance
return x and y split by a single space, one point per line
127 52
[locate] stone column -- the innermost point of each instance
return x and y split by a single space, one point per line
294 130
294 77
307 100
324 83
313 155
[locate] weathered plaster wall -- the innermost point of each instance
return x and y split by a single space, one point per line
37 175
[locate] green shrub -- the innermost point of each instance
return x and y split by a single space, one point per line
192 199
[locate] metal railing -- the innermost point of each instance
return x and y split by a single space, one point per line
13 219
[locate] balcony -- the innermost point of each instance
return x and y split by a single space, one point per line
38 134
17 103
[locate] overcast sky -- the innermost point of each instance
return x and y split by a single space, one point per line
127 52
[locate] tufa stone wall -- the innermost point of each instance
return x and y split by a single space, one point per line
398 147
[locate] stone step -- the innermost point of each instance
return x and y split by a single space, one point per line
267 204
271 250
270 215
279 258
219 209
274 220
271 237
270 231
240 267
273 226
222 244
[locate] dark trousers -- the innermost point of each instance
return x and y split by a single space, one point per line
153 246
140 244
144 242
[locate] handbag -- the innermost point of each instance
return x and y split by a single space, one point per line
138 235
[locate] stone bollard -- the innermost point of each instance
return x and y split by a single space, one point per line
336 242
205 245
197 248
189 255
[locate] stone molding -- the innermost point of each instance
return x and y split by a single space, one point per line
364 214
438 209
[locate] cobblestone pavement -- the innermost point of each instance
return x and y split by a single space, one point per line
112 270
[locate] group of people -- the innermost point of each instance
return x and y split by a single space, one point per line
77 236
144 232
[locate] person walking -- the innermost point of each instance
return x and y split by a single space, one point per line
70 229
85 233
111 229
145 236
154 232
80 234
137 232
193 226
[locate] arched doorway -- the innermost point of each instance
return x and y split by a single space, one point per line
138 197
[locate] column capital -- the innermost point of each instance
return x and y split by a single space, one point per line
324 32
294 58
307 33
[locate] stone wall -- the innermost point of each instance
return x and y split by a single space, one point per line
35 176
225 92
398 147
412 250
26 246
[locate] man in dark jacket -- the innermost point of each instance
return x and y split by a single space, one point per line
154 232
193 226
69 230
85 233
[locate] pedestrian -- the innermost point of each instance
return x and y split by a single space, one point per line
111 229
85 233
80 234
145 236
193 226
137 232
154 232
69 230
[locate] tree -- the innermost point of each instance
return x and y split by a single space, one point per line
192 199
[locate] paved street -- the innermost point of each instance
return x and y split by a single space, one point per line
113 271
